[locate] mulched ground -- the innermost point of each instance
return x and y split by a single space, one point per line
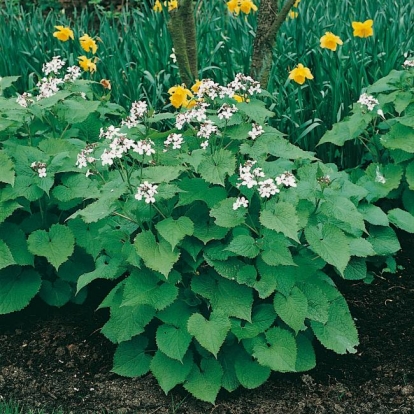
53 358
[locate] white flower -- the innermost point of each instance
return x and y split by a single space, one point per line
40 168
107 157
146 191
380 112
226 111
287 179
176 140
138 110
409 63
53 66
206 129
243 83
48 87
72 73
110 133
368 100
268 188
145 146
256 131
240 202
249 177
24 99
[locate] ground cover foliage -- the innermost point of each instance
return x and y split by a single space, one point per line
222 237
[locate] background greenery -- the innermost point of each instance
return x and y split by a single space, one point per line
135 54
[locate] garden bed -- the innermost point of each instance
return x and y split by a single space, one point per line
53 358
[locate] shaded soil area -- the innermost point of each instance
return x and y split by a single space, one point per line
53 358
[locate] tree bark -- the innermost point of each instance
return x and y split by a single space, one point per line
183 35
269 20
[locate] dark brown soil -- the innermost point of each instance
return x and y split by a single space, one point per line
53 358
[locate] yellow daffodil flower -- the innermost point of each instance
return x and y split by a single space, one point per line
179 96
330 41
87 64
157 6
234 6
300 73
293 14
172 4
246 6
363 29
196 86
296 4
88 44
63 33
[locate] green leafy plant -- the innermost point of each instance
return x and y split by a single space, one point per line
382 122
222 238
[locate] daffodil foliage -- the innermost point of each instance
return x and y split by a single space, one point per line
222 239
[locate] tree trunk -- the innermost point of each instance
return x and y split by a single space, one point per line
269 20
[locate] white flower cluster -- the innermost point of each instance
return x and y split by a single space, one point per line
256 131
175 140
146 191
197 113
54 66
250 177
247 176
25 99
240 202
39 167
72 73
287 179
48 87
144 146
241 84
138 109
84 157
368 100
49 84
205 131
409 63
226 111
244 84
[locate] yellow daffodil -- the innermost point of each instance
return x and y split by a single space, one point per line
363 29
157 6
179 96
87 64
246 6
63 33
330 41
234 6
196 86
296 4
293 14
300 73
172 4
88 44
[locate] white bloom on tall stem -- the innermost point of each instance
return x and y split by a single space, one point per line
368 100
147 192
